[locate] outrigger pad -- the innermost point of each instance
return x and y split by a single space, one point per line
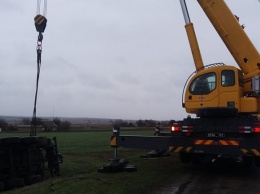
117 165
156 154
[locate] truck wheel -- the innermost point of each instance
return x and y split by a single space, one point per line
10 184
33 179
217 112
29 140
10 140
248 161
257 161
197 158
45 174
42 142
2 186
184 157
14 182
20 182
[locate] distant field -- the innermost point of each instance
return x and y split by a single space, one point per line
84 152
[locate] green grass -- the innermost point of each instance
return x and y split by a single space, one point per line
85 152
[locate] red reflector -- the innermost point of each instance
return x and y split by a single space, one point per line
257 129
176 128
244 129
187 129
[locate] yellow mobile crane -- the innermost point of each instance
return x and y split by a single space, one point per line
219 90
224 98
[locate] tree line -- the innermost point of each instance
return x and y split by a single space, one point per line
60 125
142 123
66 125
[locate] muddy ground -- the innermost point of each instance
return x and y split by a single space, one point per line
225 176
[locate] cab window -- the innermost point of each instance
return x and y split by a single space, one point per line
203 84
227 78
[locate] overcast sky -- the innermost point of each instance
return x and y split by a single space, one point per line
118 59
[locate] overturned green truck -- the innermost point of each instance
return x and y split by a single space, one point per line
27 160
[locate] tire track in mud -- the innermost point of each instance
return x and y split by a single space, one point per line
183 187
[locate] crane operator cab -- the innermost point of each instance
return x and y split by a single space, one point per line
218 90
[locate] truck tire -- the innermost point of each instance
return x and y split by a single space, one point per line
2 186
29 140
20 182
42 142
248 161
14 183
32 179
10 183
45 174
185 157
257 161
10 140
217 112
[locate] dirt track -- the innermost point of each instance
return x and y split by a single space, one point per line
224 177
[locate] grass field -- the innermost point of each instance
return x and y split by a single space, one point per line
85 152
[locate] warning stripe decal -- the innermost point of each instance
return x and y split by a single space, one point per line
188 149
251 152
244 151
216 142
256 152
203 142
113 141
170 148
228 142
39 19
178 149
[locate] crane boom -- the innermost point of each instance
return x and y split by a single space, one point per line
233 35
192 37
